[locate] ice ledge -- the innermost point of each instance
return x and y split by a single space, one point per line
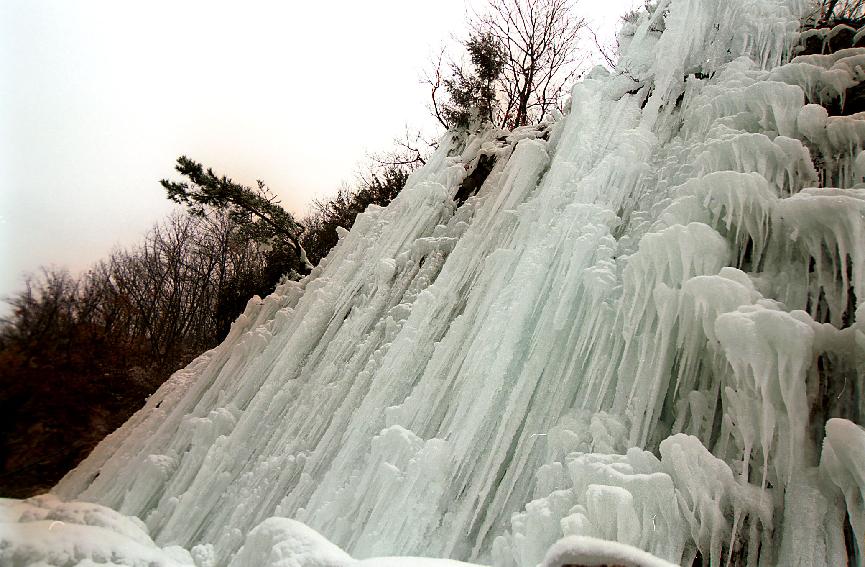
47 531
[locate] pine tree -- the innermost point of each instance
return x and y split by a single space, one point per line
256 210
473 93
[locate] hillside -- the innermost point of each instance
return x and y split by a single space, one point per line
638 322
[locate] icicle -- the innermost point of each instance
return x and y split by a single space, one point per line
843 461
480 377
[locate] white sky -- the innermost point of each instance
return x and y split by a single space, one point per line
98 98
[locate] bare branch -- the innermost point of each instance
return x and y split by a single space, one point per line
540 40
601 50
434 79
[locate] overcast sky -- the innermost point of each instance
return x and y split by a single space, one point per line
98 98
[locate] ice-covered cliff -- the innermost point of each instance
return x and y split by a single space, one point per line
644 327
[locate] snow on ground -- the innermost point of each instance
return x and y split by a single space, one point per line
49 532
644 328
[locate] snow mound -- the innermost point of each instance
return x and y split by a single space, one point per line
592 552
644 325
45 531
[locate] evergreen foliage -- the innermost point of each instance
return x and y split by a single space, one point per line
524 56
472 94
256 211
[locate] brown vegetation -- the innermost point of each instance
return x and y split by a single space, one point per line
79 355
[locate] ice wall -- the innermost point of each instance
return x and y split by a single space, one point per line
640 329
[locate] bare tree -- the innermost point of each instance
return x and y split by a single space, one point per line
434 77
539 41
605 52
542 58
409 152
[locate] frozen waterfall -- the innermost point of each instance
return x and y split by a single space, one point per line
644 327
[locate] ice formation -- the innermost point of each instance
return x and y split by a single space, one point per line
645 328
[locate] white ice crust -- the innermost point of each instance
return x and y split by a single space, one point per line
645 329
